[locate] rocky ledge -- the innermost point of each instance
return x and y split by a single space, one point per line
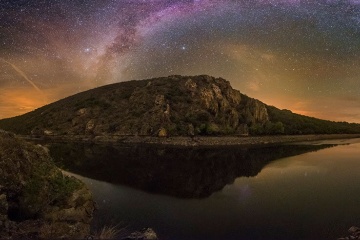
354 234
36 199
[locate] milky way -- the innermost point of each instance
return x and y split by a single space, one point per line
302 55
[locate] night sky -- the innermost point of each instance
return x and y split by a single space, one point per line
302 55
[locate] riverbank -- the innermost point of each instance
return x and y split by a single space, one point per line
36 200
196 141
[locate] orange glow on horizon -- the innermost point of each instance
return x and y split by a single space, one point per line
15 102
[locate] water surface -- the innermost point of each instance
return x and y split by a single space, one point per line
297 191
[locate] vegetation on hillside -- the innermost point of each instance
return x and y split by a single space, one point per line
298 124
168 106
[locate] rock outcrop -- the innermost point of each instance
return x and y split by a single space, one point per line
354 234
170 106
36 199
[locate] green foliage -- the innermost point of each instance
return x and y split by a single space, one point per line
278 128
228 130
299 124
256 129
176 94
273 128
92 102
207 129
172 130
46 186
198 118
212 129
268 128
201 130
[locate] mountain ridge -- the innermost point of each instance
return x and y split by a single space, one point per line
167 106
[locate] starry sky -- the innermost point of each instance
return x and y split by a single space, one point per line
302 55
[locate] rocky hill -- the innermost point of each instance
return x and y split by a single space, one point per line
168 106
36 199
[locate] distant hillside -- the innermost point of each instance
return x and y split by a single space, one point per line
168 106
300 124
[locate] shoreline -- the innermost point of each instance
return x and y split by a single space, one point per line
195 141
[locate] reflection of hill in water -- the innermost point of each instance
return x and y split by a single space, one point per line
180 172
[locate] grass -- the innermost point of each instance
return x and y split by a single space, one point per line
109 232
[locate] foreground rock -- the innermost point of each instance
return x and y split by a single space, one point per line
36 199
354 234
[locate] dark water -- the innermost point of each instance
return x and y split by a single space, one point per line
280 192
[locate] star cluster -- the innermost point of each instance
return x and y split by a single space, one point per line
302 55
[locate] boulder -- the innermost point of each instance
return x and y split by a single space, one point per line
354 233
354 229
162 132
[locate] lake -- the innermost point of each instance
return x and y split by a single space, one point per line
295 191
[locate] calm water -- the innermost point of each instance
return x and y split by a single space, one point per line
283 192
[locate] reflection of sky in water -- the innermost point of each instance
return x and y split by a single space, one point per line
313 195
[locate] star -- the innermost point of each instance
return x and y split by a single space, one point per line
71 45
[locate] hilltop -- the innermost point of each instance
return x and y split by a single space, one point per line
167 106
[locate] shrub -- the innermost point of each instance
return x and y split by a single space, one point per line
108 232
46 187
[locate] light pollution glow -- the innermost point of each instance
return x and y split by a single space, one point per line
298 55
